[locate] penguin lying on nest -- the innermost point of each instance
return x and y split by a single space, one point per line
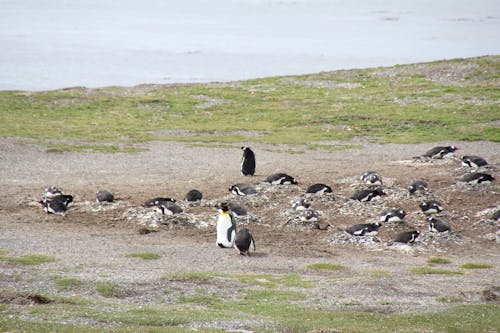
440 152
281 179
418 185
371 178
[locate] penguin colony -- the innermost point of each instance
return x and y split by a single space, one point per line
228 235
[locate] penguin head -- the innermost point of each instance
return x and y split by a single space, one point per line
225 207
412 189
453 148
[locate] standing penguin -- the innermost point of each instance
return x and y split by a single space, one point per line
247 162
226 226
244 241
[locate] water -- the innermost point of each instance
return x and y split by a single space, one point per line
94 43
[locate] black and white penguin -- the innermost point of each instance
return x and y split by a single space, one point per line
247 162
281 179
300 203
477 178
154 202
365 229
418 185
308 215
54 206
473 161
407 237
242 189
371 178
244 241
104 196
392 215
193 195
319 189
431 207
496 216
440 152
65 199
436 225
226 226
237 209
52 191
368 195
168 207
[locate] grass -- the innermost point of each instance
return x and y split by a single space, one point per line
306 110
431 270
108 289
438 260
144 255
28 259
327 266
66 283
471 265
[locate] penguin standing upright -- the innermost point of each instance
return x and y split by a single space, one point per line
244 241
226 226
247 162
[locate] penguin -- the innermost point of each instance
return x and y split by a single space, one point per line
300 203
440 152
392 215
308 215
242 189
168 207
418 185
54 207
431 207
281 179
237 209
436 225
104 196
365 229
52 191
407 237
368 195
371 178
473 161
155 201
193 195
319 189
496 216
226 226
65 199
477 178
247 162
244 241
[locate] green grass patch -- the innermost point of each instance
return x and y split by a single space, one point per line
431 270
409 107
66 283
471 265
438 260
200 297
28 259
144 255
193 276
327 267
108 289
273 281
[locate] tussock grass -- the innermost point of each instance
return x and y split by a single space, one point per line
327 266
66 283
431 270
144 255
28 259
108 289
438 260
472 265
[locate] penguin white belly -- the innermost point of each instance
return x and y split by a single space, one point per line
226 230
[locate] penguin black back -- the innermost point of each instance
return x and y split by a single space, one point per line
280 179
319 189
104 196
244 241
440 151
193 195
407 237
247 162
473 161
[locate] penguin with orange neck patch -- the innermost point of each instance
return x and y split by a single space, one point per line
226 226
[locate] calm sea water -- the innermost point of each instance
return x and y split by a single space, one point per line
60 43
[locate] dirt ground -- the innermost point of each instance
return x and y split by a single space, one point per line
91 242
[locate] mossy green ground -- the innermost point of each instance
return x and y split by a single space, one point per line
402 104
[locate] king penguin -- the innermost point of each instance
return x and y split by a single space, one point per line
247 162
244 241
226 226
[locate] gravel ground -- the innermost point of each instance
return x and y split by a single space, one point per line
91 241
